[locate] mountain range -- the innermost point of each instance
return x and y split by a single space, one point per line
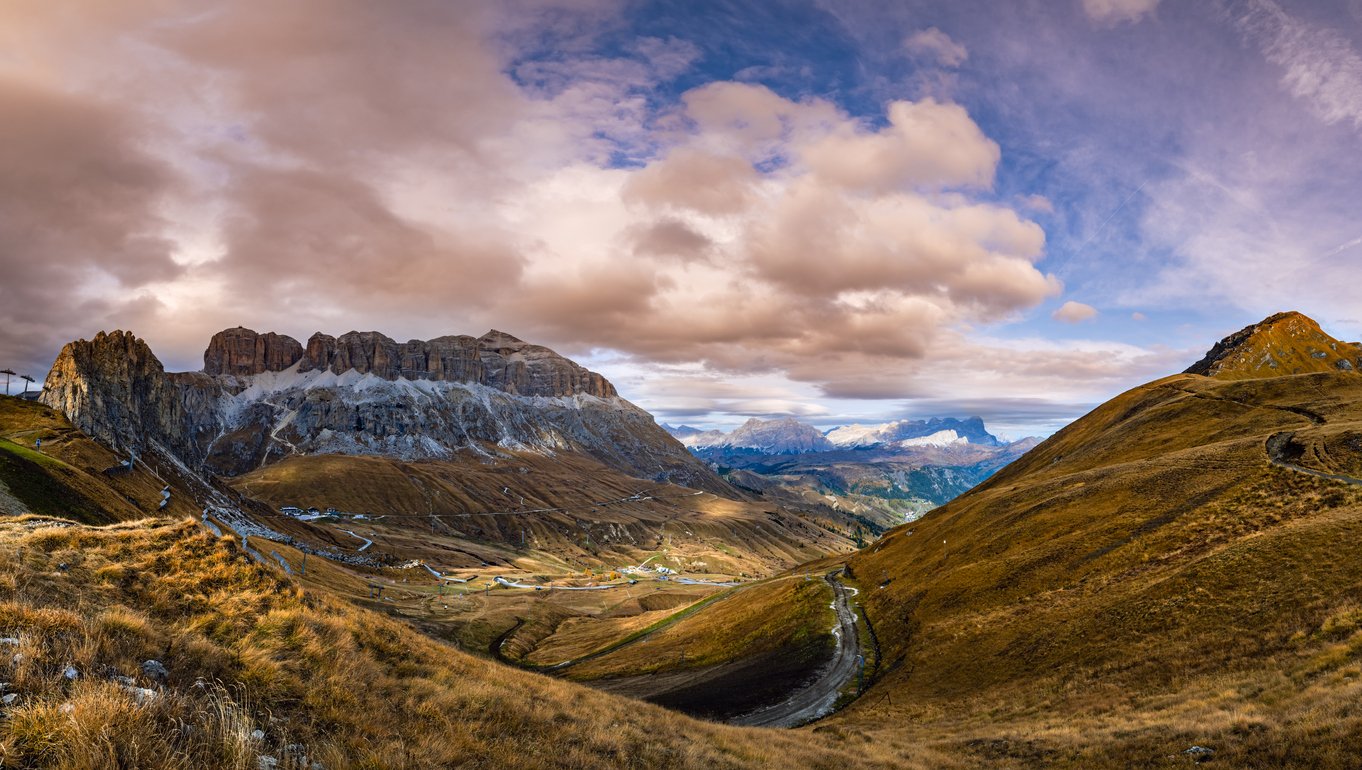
883 474
788 435
263 397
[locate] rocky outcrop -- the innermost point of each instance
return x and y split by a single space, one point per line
112 388
496 359
432 399
1282 344
321 348
241 351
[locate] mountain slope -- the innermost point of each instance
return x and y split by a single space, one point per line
783 436
1164 572
71 476
241 648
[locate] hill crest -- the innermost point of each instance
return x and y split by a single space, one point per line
1281 344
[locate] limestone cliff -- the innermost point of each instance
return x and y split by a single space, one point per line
113 388
241 351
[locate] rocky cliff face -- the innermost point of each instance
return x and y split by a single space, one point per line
1285 343
264 396
495 359
241 351
113 388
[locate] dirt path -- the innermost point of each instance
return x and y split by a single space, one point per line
1275 444
817 698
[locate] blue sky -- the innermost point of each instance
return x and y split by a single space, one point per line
845 211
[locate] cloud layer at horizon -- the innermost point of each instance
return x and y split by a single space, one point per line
726 223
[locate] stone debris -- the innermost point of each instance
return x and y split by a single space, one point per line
1200 753
141 695
154 669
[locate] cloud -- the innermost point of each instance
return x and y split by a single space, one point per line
691 178
1112 12
1074 312
1038 203
1138 316
928 145
741 247
449 167
80 218
1319 65
932 43
670 238
341 237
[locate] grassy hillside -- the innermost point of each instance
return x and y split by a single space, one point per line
565 506
65 477
1144 581
246 650
726 655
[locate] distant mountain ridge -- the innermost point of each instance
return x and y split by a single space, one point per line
881 474
787 435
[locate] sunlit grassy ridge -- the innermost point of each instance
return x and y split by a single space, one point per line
1144 581
342 685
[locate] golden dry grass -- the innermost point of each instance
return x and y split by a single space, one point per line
1142 582
789 615
584 512
340 684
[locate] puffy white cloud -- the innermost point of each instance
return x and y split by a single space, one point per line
691 178
1074 312
927 145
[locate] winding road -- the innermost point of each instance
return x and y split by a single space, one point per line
367 541
817 698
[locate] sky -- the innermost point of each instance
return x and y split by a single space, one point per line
842 211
